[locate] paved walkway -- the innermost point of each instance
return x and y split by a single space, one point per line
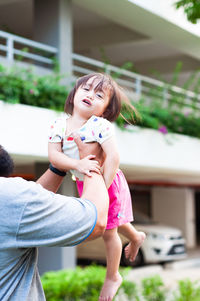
169 276
171 272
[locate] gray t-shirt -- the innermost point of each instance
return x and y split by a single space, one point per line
31 217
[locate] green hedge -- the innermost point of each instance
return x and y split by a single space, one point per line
80 284
19 85
170 120
84 284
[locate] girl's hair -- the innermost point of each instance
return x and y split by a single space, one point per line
103 83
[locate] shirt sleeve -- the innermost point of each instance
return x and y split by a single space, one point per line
57 130
103 129
51 219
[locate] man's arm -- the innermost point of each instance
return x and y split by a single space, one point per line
50 181
94 188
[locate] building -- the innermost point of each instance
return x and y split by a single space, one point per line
164 176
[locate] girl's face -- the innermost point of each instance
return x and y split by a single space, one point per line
88 101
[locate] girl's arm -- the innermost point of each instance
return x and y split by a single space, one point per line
59 160
111 163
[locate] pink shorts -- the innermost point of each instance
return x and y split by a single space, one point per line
120 204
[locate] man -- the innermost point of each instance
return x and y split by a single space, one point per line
32 215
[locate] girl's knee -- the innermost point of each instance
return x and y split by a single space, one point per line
110 234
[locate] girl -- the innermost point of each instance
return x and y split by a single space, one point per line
93 103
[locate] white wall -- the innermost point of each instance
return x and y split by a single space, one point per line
144 153
159 157
175 207
24 130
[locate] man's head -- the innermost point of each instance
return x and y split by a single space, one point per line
6 163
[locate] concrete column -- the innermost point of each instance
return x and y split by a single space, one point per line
68 254
56 258
176 207
52 25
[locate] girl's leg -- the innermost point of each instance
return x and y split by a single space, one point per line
113 279
136 239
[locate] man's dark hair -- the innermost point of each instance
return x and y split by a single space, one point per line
6 163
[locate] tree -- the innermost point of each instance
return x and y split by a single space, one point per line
191 9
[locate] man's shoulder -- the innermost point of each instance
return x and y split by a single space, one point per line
17 187
12 181
15 181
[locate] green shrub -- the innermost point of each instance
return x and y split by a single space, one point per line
187 291
18 85
153 289
80 284
84 284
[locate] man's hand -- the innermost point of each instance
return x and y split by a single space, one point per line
86 149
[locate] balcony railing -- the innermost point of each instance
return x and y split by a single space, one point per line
13 47
136 85
139 86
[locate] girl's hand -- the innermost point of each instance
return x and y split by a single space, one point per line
87 164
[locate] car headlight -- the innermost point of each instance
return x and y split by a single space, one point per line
157 236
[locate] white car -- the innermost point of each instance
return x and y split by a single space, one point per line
163 243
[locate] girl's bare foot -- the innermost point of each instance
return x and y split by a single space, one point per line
132 248
110 288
